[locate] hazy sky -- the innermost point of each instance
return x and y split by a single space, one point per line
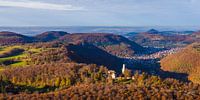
99 12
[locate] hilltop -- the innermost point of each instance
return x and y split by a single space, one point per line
7 38
50 35
153 31
114 44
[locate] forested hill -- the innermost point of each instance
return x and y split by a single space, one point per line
114 44
186 61
50 35
7 38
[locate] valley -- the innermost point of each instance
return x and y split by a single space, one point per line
60 63
99 50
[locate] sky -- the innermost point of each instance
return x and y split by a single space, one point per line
99 13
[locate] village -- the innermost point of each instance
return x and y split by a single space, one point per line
151 59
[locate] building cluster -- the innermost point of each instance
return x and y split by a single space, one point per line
151 58
156 55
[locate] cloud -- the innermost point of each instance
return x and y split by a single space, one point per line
38 5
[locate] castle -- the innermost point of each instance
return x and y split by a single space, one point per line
112 73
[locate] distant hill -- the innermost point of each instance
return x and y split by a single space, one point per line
153 31
114 44
194 37
154 38
186 61
148 39
50 35
130 34
7 38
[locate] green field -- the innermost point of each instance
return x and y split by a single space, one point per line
20 59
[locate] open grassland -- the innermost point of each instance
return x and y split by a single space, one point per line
16 59
18 55
9 57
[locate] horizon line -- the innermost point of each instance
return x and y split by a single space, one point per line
106 26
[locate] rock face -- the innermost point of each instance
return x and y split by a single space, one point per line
7 38
50 35
186 61
114 44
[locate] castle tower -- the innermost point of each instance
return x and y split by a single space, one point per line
123 68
